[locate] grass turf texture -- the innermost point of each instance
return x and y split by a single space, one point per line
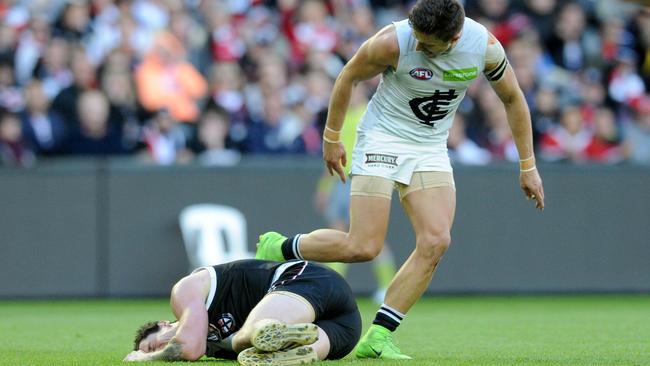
589 330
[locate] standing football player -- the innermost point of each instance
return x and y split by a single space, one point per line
427 63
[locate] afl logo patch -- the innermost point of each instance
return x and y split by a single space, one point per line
421 73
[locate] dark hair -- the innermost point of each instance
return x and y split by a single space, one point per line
441 18
143 332
6 113
213 107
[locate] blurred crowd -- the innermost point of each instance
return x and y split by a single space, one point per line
172 81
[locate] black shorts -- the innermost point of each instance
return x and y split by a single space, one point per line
332 299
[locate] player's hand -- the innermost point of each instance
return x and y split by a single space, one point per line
135 356
531 184
335 159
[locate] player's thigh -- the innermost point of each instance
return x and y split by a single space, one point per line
275 305
370 199
431 206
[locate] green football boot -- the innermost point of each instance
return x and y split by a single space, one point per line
378 343
269 247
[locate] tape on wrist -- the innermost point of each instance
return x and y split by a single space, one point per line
331 136
331 129
330 141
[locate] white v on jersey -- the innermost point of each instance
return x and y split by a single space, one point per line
417 101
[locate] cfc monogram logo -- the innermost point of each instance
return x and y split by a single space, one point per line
433 108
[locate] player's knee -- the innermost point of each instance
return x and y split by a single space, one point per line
364 251
367 254
434 244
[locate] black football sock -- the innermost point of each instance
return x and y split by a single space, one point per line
290 249
388 317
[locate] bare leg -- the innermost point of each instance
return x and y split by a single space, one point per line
274 306
431 212
363 242
340 267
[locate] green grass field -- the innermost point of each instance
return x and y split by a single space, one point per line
589 330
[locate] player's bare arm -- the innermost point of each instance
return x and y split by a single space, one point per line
377 54
504 82
188 304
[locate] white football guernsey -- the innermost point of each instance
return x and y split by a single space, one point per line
409 116
417 102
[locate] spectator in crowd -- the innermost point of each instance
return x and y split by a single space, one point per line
43 129
13 150
7 39
605 144
637 132
639 28
53 68
95 134
106 33
498 139
11 96
542 15
569 140
276 131
625 84
573 45
213 137
592 93
165 140
73 23
31 45
165 80
462 150
315 29
227 43
545 115
84 79
355 29
124 109
227 91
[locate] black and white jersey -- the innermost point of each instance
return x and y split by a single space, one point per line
235 289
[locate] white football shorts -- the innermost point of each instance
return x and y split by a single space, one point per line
381 155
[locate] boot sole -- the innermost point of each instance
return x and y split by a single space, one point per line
295 356
275 335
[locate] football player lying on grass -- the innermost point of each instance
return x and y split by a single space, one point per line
260 312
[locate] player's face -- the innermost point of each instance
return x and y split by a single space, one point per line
158 340
432 46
